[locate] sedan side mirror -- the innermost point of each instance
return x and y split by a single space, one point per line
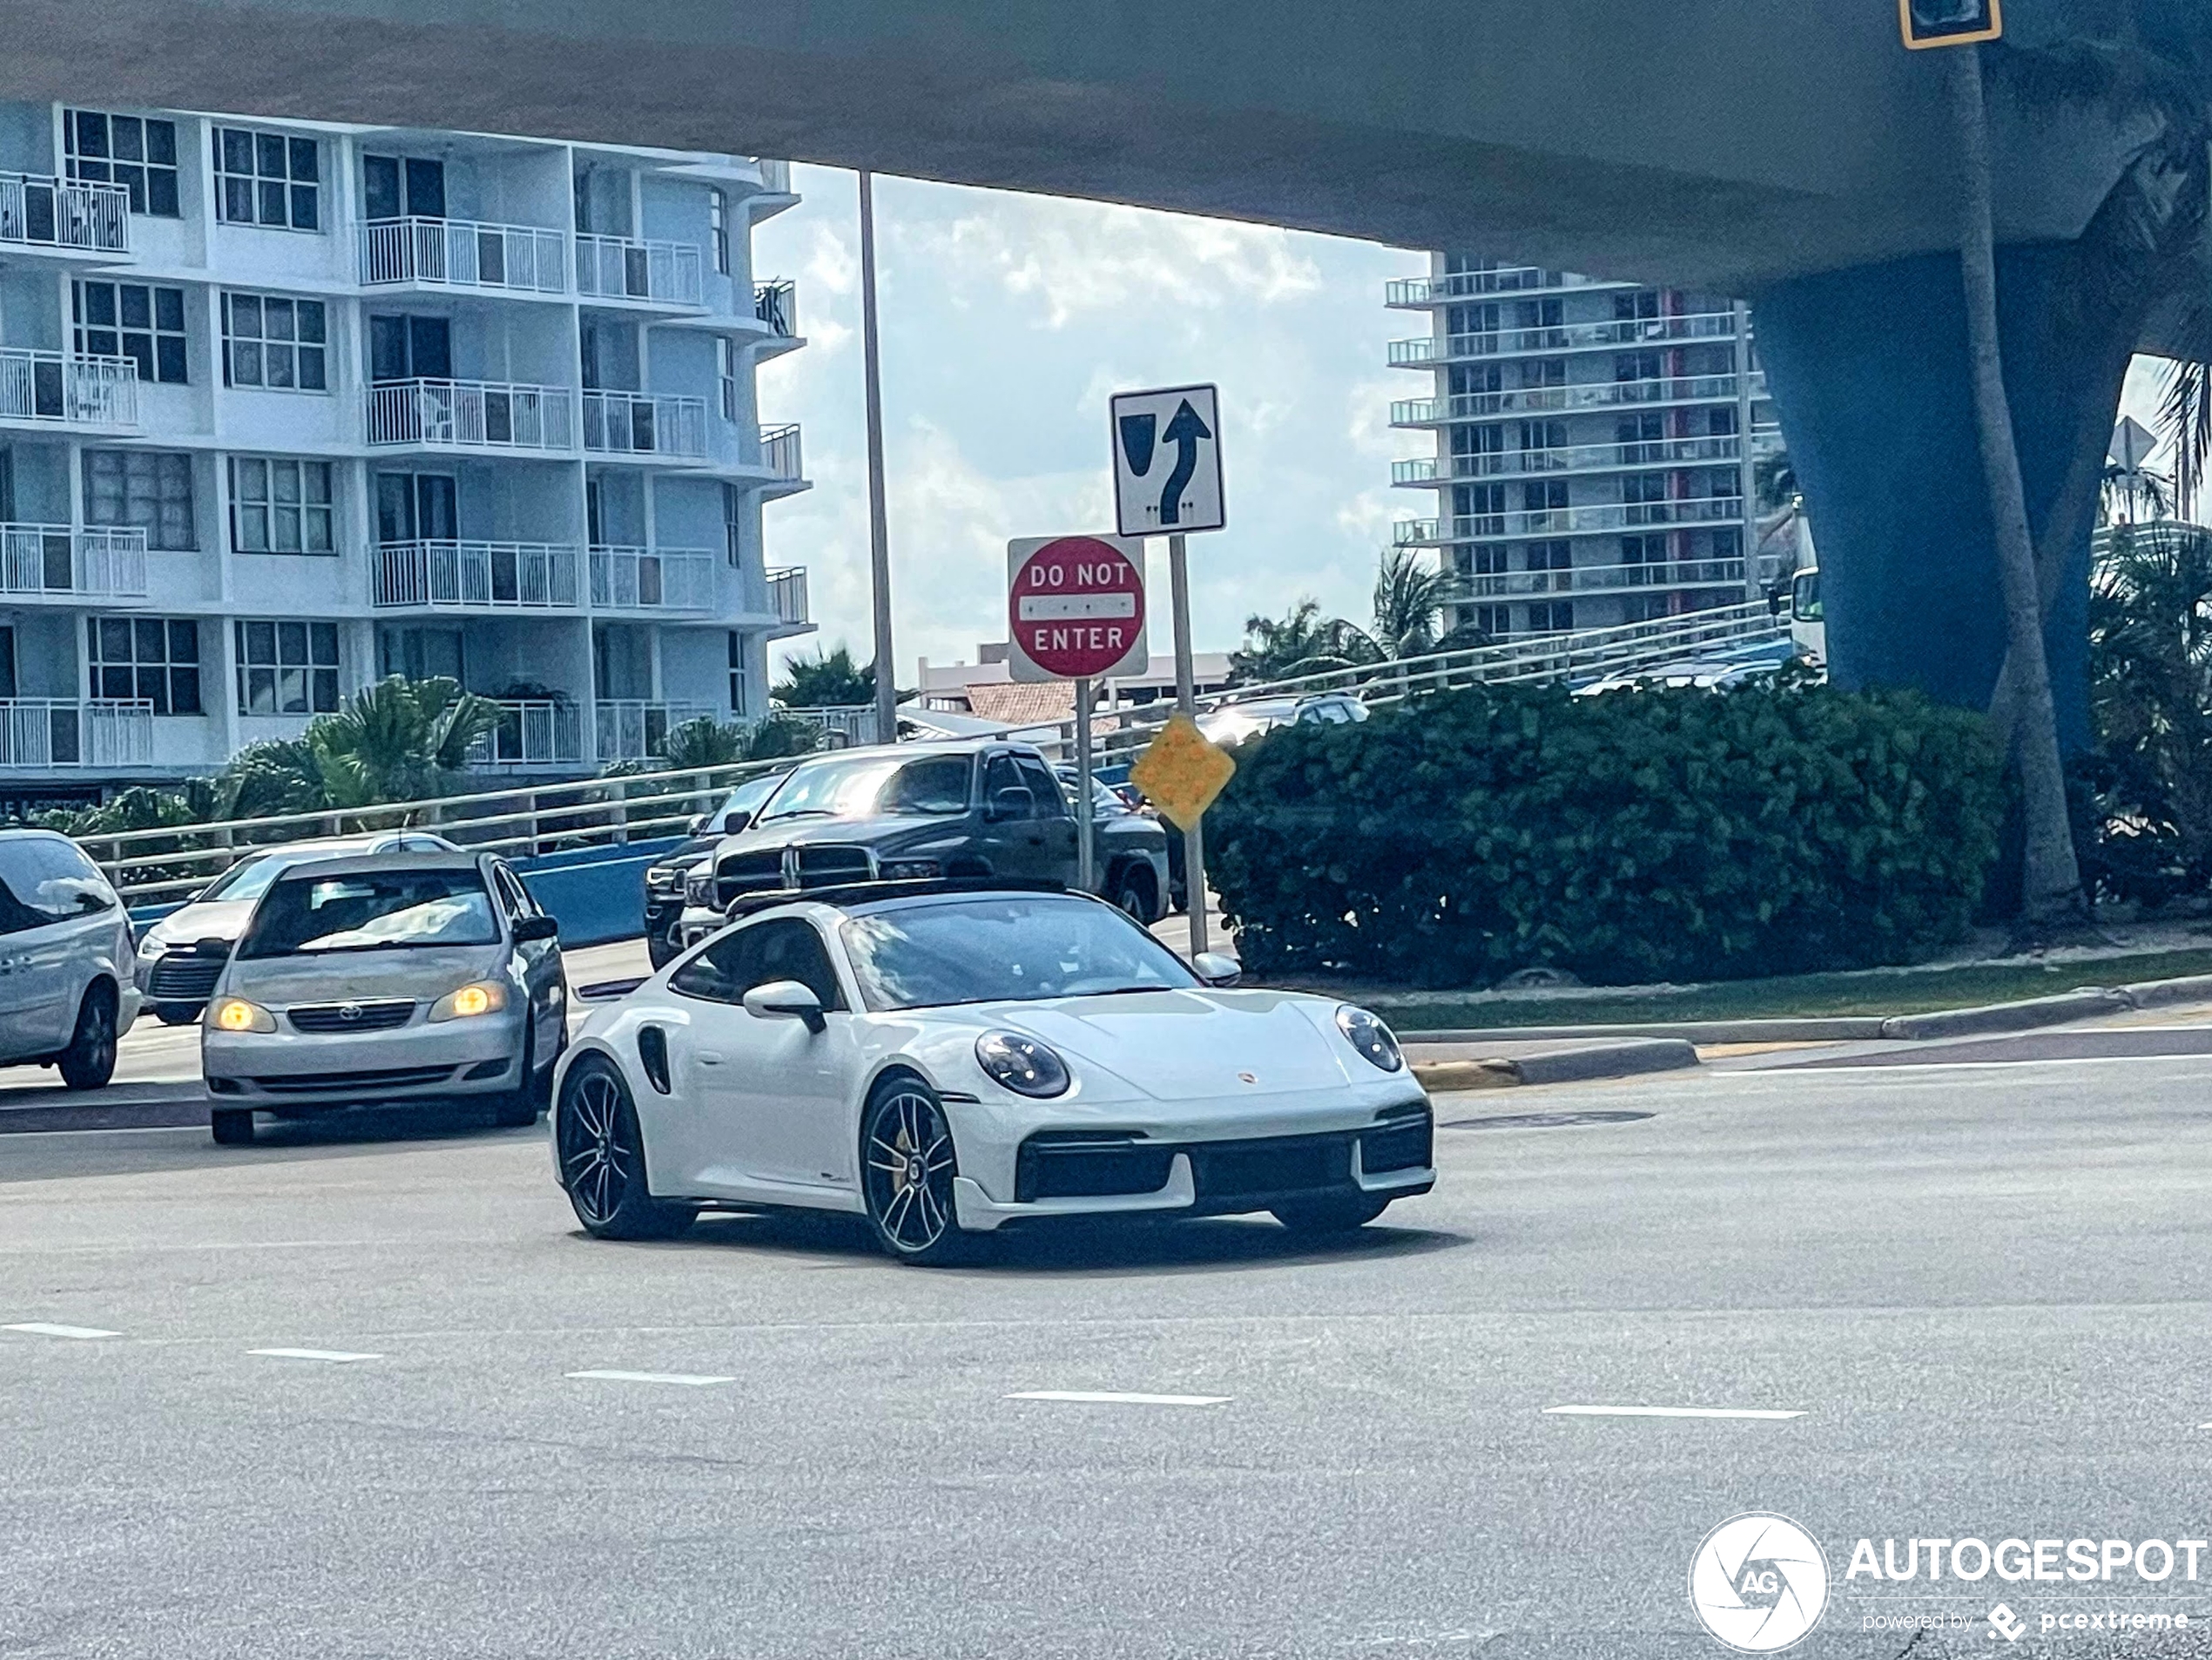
530 929
1215 969
786 1000
1012 802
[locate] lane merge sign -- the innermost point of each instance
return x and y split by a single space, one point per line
1075 608
1167 461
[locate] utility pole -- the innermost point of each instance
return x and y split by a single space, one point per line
887 694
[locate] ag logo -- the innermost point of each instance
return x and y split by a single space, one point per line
1759 1583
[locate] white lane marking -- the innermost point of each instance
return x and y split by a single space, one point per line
1668 1412
41 1328
313 1354
1114 1398
689 1380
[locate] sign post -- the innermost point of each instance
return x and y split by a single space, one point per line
1167 479
1074 610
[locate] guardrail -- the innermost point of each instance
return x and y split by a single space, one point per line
675 579
624 268
471 415
632 423
776 303
779 451
473 576
40 211
67 390
787 594
56 732
463 253
64 563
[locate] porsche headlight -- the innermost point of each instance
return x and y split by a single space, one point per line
466 1002
1366 1033
1021 1064
236 1015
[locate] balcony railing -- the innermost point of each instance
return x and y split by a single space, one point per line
462 254
1589 394
777 305
621 267
64 390
1463 285
787 594
674 579
1596 579
65 563
1567 520
626 423
779 451
775 175
56 732
1571 337
41 211
473 576
1579 458
471 415
630 729
532 731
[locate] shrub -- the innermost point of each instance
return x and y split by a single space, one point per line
1636 836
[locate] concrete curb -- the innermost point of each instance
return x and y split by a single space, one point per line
1578 1064
2084 1004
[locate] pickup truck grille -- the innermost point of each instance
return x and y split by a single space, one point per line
746 873
829 866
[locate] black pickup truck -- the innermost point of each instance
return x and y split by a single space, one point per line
664 877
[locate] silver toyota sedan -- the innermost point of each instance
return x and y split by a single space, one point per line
393 977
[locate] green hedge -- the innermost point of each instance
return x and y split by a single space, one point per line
1634 837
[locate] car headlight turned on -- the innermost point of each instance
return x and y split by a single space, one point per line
908 870
1366 1033
466 1002
698 889
236 1015
1021 1064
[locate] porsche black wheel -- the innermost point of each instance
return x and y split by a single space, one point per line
602 1159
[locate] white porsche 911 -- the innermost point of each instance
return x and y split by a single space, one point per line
948 1061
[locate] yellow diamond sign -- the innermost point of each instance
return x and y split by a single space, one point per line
1180 771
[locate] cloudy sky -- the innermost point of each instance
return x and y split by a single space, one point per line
1007 319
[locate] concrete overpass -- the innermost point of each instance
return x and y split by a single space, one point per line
1788 150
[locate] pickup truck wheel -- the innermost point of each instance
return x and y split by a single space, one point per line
1133 892
233 1126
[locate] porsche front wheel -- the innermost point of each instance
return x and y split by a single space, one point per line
602 1159
907 1167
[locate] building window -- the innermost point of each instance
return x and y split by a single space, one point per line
268 178
717 225
280 506
128 150
1496 621
1556 617
733 523
154 659
287 668
727 360
131 319
275 343
149 490
737 674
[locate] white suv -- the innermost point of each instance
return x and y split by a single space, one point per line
67 988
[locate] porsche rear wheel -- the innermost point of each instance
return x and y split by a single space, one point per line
602 1159
908 1166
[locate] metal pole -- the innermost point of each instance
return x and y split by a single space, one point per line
1186 700
887 694
1749 471
1085 854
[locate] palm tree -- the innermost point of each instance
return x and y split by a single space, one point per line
2151 655
1409 603
2123 497
827 680
1275 647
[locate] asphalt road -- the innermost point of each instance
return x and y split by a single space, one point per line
1982 1286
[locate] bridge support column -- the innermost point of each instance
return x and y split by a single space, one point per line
1868 369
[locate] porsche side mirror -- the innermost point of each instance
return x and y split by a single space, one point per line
1215 969
530 929
786 1000
1013 802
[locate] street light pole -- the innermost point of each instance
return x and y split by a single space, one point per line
887 694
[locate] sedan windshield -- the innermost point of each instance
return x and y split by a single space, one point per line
383 910
1005 950
871 785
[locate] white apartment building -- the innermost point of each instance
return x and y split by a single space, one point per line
1591 464
286 407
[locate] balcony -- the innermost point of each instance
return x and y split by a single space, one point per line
652 579
630 423
1415 291
632 730
776 304
462 254
53 388
532 731
1567 520
1423 350
473 576
779 453
1581 458
57 562
621 267
775 175
38 211
49 732
471 415
787 594
1596 579
1554 400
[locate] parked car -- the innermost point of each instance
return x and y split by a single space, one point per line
390 977
947 1062
1808 620
67 985
1133 854
181 956
973 808
665 878
1233 722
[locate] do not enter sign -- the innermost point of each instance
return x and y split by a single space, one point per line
1075 607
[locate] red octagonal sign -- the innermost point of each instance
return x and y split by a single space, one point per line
1075 607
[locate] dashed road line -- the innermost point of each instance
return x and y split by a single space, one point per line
1668 1412
688 1379
1116 1398
42 1328
335 1355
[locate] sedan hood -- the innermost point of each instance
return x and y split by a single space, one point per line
342 976
1192 1045
213 919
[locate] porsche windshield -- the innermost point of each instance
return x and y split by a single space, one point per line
871 785
380 910
1005 950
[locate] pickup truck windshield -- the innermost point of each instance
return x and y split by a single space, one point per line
873 786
